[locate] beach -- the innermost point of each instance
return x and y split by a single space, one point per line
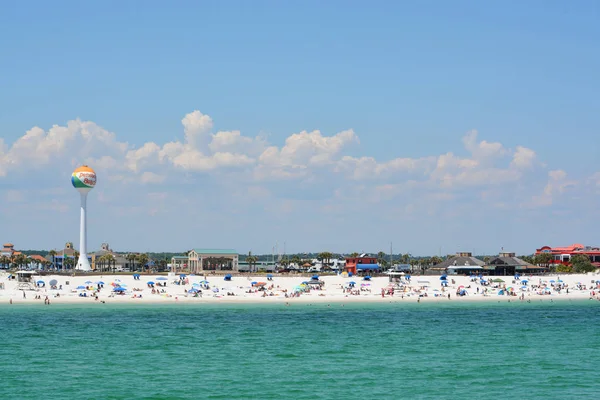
291 289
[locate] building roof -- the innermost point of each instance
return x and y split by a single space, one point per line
460 261
37 257
180 257
510 261
8 245
215 251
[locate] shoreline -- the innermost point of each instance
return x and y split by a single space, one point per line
334 290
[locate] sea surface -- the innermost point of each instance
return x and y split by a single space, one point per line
358 351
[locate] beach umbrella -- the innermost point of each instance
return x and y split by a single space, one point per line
80 287
552 281
560 281
119 289
53 282
88 282
204 281
315 277
99 283
182 276
524 287
269 275
443 277
136 275
162 278
253 283
150 283
41 282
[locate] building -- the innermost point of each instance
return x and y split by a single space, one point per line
462 263
117 262
200 260
562 255
363 263
509 264
68 253
8 250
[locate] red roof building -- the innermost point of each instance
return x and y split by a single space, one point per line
562 255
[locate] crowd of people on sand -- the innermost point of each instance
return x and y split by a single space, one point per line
329 286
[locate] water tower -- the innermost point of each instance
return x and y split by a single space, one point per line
84 180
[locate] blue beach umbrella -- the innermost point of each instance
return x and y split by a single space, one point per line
162 278
253 283
269 275
41 282
88 282
119 289
136 275
315 277
443 277
150 283
80 287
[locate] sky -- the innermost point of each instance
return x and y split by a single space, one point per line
312 126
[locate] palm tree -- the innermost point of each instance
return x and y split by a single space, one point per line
131 258
251 260
52 253
4 260
68 262
354 255
75 257
295 260
381 259
142 259
325 258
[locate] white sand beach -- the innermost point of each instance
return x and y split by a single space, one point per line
290 289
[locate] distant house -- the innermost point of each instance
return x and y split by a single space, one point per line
118 263
509 264
363 263
67 253
462 263
562 255
199 260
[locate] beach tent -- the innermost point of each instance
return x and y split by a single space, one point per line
315 277
227 277
269 277
367 278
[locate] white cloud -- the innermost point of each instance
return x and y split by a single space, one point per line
557 185
523 158
311 160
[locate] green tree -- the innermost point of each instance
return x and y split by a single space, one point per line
543 259
131 258
325 258
251 260
68 262
142 260
354 255
581 264
52 254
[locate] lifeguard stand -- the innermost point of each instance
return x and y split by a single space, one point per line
25 280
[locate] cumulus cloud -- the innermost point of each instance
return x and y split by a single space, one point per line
307 160
558 183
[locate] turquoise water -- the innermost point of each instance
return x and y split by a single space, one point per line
369 351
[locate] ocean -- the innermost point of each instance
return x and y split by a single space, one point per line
247 351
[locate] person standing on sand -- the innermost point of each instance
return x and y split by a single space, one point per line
24 295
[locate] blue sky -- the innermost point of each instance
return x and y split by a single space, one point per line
340 126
